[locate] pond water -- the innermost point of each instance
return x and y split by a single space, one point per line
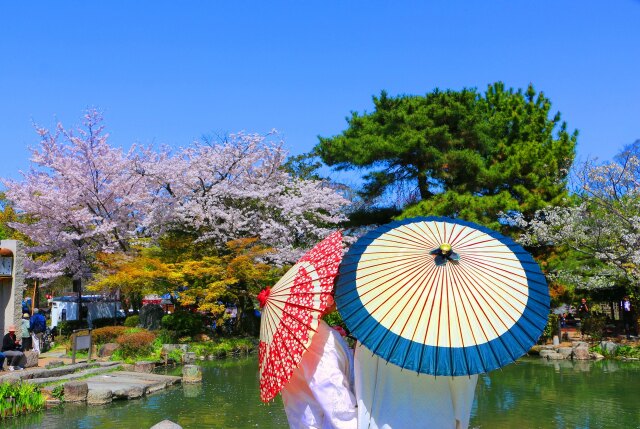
534 393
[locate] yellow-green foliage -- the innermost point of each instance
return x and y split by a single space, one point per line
18 398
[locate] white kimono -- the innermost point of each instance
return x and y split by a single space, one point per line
320 392
392 398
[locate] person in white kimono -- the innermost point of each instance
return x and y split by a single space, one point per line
389 397
320 391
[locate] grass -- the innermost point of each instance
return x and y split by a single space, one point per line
623 351
19 398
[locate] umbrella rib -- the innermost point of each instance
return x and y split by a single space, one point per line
426 331
473 335
485 294
459 241
475 298
413 262
448 317
432 274
381 293
417 287
488 273
455 304
496 266
406 258
498 336
399 234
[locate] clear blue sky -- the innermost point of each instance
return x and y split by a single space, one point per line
168 72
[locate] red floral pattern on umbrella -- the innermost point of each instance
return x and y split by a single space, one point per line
291 313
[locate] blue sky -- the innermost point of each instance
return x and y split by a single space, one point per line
169 72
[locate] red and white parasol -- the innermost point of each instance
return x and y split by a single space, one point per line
291 312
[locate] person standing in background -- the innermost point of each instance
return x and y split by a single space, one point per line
25 327
38 324
626 309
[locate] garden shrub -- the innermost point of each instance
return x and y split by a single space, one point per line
138 343
132 321
18 398
165 336
594 326
66 328
183 323
551 328
108 334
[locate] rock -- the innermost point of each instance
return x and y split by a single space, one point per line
191 374
99 396
596 356
202 357
54 364
52 402
556 356
166 348
565 351
545 353
535 350
609 346
129 392
75 391
189 357
576 344
32 359
166 424
144 366
107 349
151 316
581 353
128 367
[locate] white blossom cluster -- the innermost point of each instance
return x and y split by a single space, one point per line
606 223
82 196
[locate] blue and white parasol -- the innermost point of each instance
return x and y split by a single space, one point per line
442 296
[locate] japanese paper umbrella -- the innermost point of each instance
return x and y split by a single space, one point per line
291 312
442 296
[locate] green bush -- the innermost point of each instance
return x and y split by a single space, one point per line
67 327
183 323
225 347
132 321
136 343
19 398
551 328
594 326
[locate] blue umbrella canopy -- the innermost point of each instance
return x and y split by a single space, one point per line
442 296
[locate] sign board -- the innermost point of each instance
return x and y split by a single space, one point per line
81 342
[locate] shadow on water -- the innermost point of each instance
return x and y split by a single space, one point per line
532 394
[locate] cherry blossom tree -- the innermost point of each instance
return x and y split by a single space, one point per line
83 197
603 226
238 188
80 197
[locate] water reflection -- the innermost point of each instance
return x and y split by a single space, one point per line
534 393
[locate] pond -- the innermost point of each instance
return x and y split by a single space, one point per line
534 393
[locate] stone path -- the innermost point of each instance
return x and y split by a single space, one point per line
129 385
